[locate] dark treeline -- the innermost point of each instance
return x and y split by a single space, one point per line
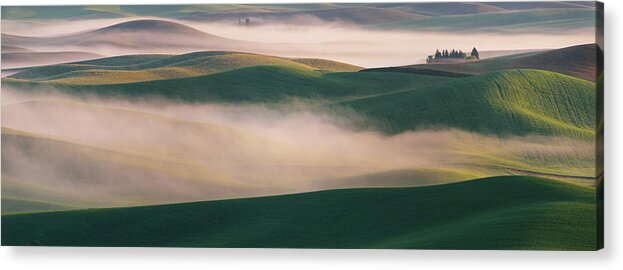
458 54
450 54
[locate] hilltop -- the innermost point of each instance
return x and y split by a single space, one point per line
578 61
135 34
160 26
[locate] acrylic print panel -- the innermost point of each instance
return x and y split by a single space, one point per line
330 125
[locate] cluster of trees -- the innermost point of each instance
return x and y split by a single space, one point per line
443 54
244 21
450 54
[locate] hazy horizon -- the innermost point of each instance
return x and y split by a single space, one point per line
336 41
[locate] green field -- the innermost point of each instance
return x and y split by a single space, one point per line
262 83
505 122
138 68
507 102
492 213
514 101
538 17
538 20
577 61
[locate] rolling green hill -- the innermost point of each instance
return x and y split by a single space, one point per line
252 84
136 68
131 36
515 102
578 61
395 15
441 8
354 14
461 8
524 21
491 213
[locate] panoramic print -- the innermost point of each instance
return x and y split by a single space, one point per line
426 125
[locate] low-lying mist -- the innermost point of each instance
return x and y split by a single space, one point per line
310 38
92 152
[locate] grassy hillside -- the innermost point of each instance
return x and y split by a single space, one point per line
441 8
531 21
354 14
491 213
136 68
515 102
327 65
411 177
254 84
578 61
359 13
423 71
461 8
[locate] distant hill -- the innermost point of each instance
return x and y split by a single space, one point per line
359 13
543 5
441 8
540 21
159 26
136 68
362 15
272 83
490 213
462 8
29 58
136 34
578 61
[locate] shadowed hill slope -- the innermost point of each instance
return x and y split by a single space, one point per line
491 213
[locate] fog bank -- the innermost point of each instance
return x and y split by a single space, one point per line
330 40
105 153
